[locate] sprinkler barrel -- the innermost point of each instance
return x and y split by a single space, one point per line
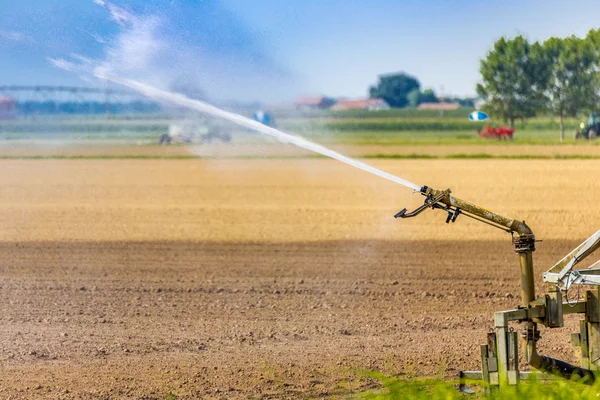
444 200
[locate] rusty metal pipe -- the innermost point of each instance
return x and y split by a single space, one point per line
527 281
514 225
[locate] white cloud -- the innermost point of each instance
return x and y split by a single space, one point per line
118 14
76 63
12 36
98 38
82 59
63 64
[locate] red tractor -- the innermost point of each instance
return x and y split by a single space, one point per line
499 132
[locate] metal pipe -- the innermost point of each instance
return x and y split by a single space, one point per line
527 282
531 333
566 370
514 225
554 366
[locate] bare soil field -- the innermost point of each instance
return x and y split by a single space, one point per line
263 278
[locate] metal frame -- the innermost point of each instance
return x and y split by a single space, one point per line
500 356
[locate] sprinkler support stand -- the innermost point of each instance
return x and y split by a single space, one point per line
499 358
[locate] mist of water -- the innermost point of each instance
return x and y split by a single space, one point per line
197 105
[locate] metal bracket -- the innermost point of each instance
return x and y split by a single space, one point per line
452 215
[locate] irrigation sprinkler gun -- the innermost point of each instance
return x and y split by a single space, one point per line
500 356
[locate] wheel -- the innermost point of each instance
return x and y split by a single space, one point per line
592 135
577 135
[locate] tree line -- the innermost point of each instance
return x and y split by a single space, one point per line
559 76
401 90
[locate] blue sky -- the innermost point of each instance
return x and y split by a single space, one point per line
276 49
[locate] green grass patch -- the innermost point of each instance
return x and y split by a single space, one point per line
437 389
412 156
436 138
393 127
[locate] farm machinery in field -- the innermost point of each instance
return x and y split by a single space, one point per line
499 132
589 130
194 132
500 355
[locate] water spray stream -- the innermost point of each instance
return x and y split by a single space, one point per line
197 105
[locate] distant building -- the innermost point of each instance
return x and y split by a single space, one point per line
7 107
442 106
313 103
361 104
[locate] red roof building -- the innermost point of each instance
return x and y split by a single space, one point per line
313 102
361 104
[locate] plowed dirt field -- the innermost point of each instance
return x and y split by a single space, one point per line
263 278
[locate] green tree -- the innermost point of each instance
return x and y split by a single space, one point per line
394 88
416 97
428 96
514 77
593 37
573 77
